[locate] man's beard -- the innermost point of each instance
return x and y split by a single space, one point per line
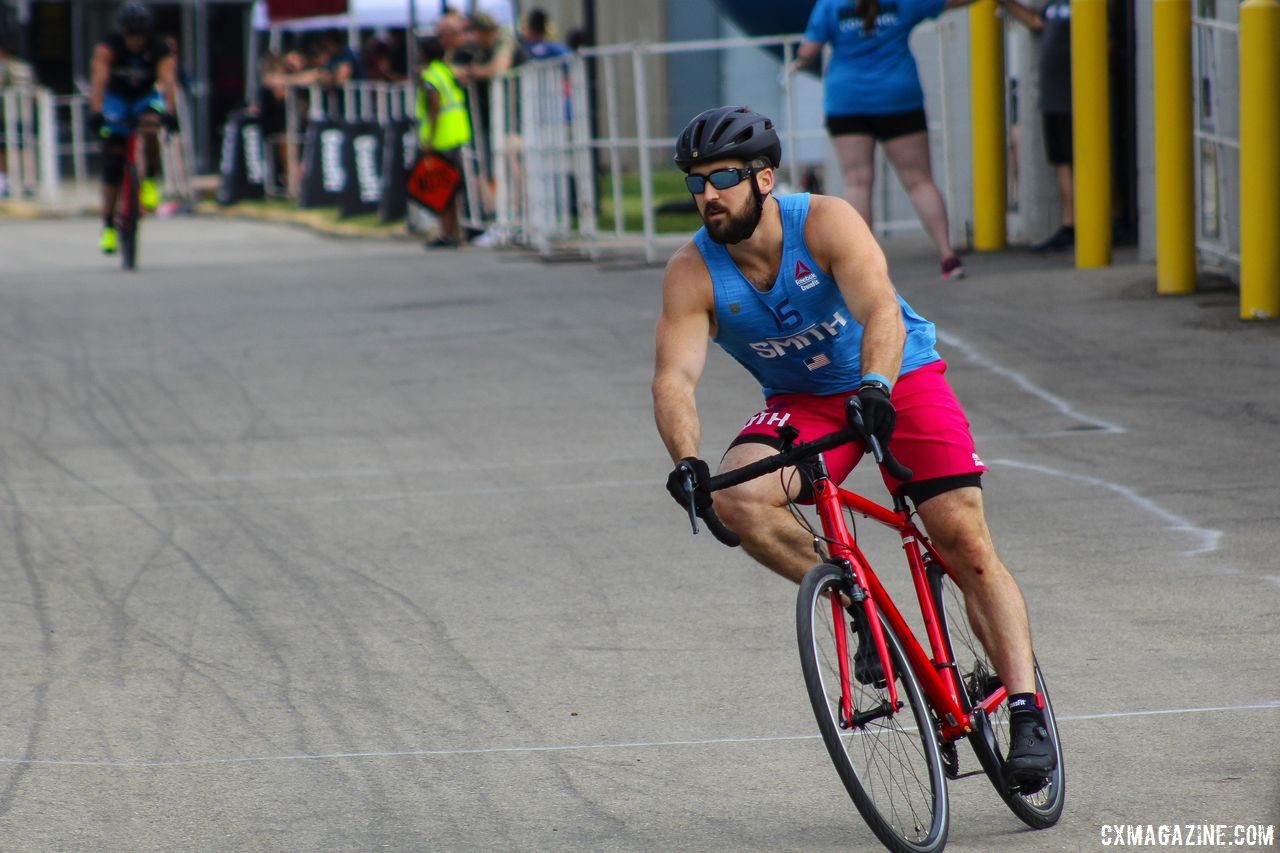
737 227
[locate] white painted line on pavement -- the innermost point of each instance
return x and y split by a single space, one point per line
1027 385
1210 539
1272 705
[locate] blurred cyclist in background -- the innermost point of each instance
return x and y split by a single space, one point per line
127 65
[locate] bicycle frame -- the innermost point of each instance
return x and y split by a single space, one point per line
943 691
131 174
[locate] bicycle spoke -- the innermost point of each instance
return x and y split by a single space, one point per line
890 765
1041 808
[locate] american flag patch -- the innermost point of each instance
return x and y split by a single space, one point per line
816 361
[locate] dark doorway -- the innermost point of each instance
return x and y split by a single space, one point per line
1124 123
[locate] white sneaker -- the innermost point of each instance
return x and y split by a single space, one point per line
491 238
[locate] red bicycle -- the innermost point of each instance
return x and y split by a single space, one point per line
129 204
892 732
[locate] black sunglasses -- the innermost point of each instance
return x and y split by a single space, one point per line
721 179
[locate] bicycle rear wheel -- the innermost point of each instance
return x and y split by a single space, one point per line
990 739
128 217
890 763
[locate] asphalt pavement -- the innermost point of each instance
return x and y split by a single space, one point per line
335 544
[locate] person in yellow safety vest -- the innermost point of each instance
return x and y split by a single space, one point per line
443 125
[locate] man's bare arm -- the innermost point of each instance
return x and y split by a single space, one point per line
842 243
99 75
681 351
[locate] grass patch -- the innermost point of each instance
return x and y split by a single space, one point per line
668 188
287 209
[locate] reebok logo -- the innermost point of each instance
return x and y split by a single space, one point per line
805 279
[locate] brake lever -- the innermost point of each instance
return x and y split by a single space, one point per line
688 490
879 453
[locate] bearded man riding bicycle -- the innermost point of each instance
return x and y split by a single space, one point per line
127 65
796 289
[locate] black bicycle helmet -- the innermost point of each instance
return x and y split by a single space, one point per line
725 132
135 19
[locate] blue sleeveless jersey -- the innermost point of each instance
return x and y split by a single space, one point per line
798 336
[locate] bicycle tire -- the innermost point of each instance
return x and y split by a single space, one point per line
892 766
128 218
990 737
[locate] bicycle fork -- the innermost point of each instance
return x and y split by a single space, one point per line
850 717
827 500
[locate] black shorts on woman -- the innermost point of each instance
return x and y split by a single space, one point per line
880 127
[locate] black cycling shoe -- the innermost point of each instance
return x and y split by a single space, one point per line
1031 755
867 668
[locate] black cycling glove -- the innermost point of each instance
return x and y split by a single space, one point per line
701 477
97 121
878 416
170 122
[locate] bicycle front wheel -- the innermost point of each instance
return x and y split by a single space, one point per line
990 739
888 759
130 213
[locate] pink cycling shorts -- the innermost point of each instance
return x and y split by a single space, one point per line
931 436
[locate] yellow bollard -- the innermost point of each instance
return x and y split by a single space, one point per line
1259 163
1091 136
1174 139
986 64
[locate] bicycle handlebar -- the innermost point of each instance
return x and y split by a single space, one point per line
790 455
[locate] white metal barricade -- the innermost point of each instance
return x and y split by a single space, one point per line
575 146
19 108
42 134
1216 64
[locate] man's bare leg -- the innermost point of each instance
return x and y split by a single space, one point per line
958 529
757 511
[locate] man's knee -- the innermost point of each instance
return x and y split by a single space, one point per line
739 508
957 527
971 552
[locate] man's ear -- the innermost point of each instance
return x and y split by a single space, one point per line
765 180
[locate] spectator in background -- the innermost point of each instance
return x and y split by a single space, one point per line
536 37
873 94
1053 24
496 50
443 127
452 30
398 64
495 53
375 56
278 72
342 62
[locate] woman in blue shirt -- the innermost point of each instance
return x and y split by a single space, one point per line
873 95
